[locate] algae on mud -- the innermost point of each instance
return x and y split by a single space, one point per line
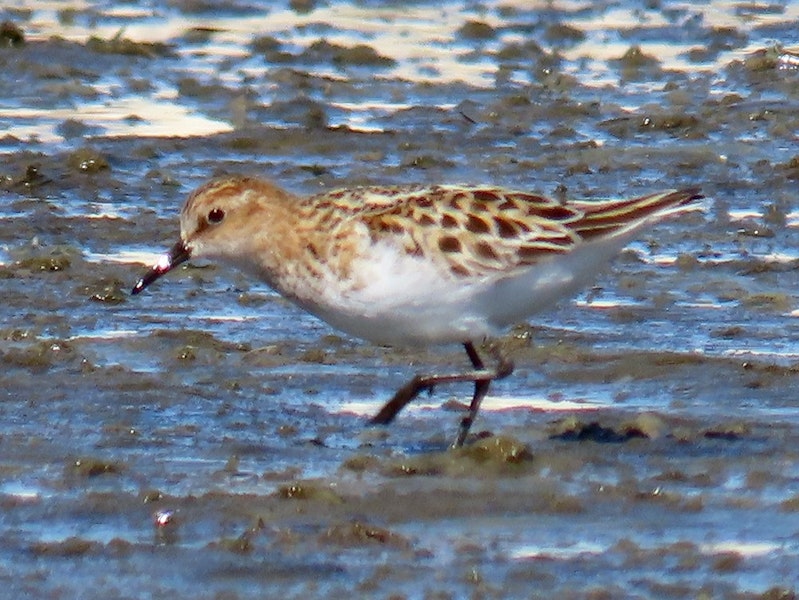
653 419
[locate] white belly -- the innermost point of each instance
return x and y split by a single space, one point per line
401 299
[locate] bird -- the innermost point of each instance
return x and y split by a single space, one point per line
414 264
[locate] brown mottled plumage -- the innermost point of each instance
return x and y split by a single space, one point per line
413 264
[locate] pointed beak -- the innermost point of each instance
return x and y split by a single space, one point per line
177 254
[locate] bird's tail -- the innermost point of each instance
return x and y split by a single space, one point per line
616 216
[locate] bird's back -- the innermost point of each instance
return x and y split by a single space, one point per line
454 262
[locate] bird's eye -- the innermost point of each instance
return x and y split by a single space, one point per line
215 215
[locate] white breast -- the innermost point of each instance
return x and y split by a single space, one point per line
394 298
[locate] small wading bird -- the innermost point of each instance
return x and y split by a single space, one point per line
414 264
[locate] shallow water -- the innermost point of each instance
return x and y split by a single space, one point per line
645 446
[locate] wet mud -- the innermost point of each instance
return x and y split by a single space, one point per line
206 439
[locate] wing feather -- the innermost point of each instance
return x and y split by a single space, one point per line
482 231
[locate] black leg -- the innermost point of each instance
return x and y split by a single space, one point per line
481 377
480 390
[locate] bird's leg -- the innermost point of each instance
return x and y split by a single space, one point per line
480 390
503 369
481 377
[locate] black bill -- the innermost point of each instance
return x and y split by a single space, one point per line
177 254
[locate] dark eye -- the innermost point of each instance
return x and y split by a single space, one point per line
216 215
